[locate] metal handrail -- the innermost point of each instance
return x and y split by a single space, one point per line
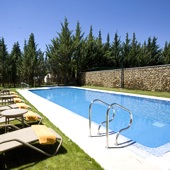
107 123
110 106
90 107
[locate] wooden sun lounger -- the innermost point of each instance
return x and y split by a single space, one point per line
24 137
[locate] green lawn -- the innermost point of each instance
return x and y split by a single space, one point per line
69 157
141 92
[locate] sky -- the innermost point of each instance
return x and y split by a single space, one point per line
43 18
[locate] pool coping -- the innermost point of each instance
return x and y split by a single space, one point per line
132 157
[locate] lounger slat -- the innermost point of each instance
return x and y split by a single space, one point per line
26 135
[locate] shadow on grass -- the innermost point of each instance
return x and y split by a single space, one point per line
24 157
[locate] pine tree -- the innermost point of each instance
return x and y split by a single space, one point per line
78 51
166 53
4 58
153 54
89 59
132 59
107 52
15 63
126 47
60 53
115 56
30 59
25 68
100 62
41 68
53 64
65 51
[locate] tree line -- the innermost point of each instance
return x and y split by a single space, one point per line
16 67
71 52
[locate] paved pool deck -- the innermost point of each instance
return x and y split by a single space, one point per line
76 128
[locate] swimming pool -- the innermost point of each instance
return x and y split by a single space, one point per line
151 117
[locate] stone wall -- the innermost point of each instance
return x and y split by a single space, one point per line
155 78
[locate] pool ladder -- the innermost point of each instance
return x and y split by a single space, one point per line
109 106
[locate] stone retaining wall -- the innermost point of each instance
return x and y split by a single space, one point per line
155 78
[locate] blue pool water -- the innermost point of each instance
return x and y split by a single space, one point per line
151 117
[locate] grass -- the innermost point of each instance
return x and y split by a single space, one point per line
69 157
140 92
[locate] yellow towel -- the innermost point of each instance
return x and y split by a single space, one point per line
44 134
22 105
17 100
31 116
12 92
